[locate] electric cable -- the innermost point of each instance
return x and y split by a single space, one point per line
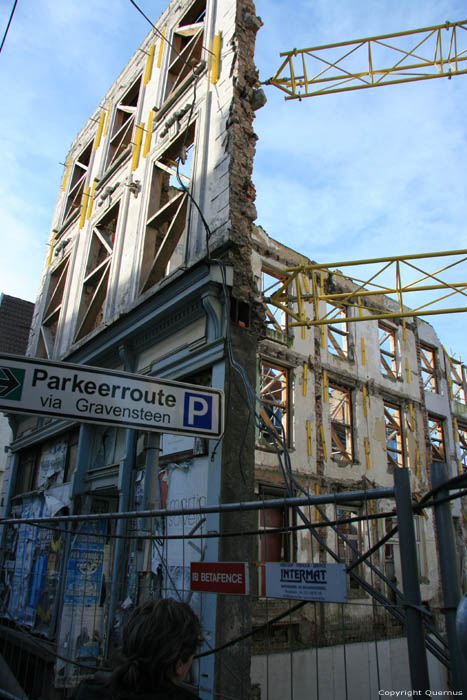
8 25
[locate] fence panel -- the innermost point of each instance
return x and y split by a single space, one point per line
67 596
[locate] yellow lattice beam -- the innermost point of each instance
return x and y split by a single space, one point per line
419 54
308 305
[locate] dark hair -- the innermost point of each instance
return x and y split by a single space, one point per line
157 634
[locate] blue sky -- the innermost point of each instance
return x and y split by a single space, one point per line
348 176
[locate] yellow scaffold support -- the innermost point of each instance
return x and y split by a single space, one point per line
366 300
419 54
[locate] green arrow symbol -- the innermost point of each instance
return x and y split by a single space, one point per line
11 383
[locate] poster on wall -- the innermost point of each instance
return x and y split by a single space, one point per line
30 563
36 568
180 488
82 619
52 463
47 601
85 565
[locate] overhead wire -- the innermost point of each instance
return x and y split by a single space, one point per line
8 25
161 35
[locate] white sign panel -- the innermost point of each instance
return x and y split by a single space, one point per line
319 582
96 395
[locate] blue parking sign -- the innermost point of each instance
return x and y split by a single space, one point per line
197 411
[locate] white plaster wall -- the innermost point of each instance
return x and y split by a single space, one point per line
303 410
176 342
322 673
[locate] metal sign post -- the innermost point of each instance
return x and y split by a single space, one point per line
97 395
449 573
411 585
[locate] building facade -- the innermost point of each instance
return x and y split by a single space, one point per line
15 324
155 267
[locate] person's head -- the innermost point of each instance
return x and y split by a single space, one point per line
158 644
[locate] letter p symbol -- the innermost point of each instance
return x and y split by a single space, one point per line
197 411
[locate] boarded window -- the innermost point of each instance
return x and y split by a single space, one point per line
97 274
168 210
341 423
387 350
123 125
457 374
435 428
394 444
274 402
276 318
53 308
338 332
186 46
77 183
428 368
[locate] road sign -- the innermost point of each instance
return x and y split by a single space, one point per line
325 582
96 395
219 577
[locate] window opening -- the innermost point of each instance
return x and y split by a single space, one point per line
341 423
389 550
163 248
47 464
72 455
462 443
97 274
387 351
240 312
353 533
53 308
123 124
276 319
428 368
394 448
435 429
77 182
26 472
187 46
273 546
274 394
338 333
457 370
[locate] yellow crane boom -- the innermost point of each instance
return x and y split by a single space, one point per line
418 54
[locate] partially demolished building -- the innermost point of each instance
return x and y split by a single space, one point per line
155 267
